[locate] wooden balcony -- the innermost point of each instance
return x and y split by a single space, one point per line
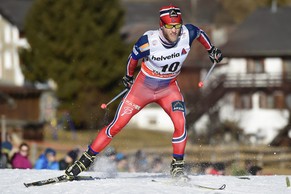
258 81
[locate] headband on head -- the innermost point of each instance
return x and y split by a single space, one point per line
170 14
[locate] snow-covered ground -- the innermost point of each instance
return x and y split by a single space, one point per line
11 182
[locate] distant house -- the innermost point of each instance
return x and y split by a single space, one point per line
20 105
12 15
254 88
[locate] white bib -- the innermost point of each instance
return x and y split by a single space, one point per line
165 63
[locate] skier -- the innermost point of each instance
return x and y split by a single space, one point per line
163 52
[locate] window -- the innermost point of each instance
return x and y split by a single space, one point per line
274 100
255 66
246 101
270 101
287 68
265 101
243 101
279 100
7 34
7 60
15 34
288 101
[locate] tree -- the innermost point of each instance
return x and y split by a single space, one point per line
78 45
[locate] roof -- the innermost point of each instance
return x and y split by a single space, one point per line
263 34
19 90
15 11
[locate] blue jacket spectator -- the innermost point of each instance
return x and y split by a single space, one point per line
47 160
6 148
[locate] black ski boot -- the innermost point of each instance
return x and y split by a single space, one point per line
177 169
80 165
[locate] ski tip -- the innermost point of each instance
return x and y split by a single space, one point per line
244 177
222 187
84 178
26 185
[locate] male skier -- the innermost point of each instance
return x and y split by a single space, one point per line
163 52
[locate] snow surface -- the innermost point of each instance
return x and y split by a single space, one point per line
11 182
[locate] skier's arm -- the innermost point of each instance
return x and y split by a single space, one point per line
196 33
140 50
200 35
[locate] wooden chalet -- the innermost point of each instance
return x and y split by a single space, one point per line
19 104
256 82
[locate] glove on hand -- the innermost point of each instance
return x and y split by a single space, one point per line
215 55
127 81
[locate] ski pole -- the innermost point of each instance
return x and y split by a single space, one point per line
201 83
103 106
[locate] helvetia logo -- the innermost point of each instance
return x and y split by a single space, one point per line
161 58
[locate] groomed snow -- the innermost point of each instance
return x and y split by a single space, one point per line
11 182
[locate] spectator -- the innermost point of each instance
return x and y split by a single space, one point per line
215 169
47 160
248 165
122 162
256 170
157 165
69 159
204 168
140 163
20 159
6 148
219 167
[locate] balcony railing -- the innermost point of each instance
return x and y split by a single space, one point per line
256 80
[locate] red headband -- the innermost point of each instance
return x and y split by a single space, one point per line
170 14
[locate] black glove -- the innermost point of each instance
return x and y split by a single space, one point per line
215 54
127 81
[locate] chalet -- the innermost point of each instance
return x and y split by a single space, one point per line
20 105
253 89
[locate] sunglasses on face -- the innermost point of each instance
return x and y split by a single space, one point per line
170 26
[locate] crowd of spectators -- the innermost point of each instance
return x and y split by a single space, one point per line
18 158
110 162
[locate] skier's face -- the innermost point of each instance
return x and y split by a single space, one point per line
172 31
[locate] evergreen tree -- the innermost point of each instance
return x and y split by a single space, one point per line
78 45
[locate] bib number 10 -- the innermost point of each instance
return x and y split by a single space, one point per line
171 68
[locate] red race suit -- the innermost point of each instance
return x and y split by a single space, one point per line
155 83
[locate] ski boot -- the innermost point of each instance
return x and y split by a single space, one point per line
177 170
80 165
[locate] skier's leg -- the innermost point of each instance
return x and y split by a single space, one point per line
124 113
132 103
174 106
126 110
138 96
